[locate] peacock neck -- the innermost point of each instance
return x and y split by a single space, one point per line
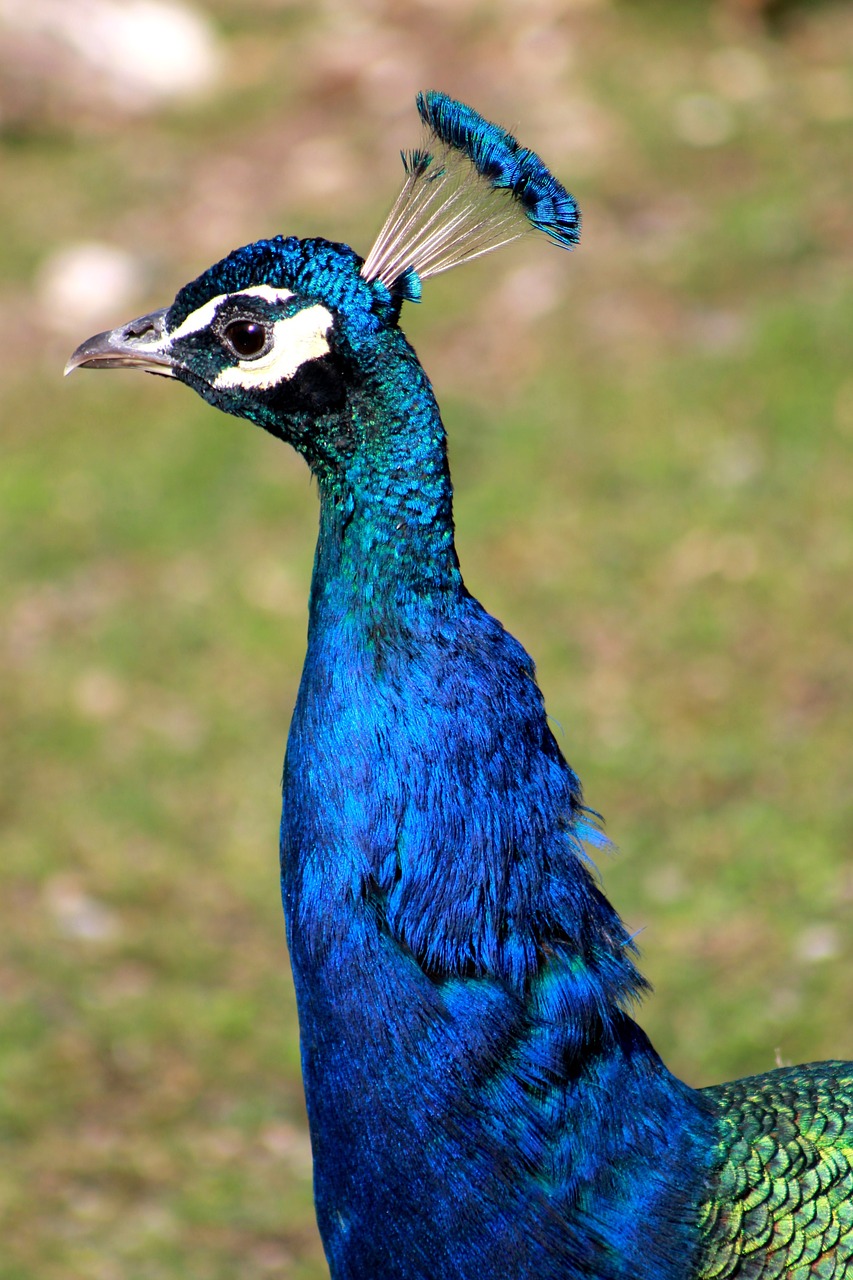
421 738
460 977
385 545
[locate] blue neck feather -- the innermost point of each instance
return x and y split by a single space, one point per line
472 1078
386 522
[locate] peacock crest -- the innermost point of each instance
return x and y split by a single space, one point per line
469 189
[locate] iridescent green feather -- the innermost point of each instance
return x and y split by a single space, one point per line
781 1200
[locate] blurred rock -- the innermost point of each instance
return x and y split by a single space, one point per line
817 943
78 915
90 283
63 57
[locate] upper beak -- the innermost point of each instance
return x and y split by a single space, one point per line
142 344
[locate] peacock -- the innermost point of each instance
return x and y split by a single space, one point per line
481 1103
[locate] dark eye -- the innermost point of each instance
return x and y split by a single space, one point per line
247 337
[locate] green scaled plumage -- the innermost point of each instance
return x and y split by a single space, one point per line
781 1203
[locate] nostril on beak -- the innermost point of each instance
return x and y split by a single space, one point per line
145 327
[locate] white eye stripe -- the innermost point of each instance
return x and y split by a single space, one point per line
296 340
204 316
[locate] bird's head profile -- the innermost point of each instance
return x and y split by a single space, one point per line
287 332
280 332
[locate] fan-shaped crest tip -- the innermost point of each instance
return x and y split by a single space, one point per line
469 189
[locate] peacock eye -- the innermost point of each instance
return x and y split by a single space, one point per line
246 337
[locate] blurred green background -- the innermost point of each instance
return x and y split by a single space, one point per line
651 441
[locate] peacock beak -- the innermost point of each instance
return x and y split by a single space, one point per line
142 344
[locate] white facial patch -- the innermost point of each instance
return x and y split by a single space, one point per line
205 315
296 339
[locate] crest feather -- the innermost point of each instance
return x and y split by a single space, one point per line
470 189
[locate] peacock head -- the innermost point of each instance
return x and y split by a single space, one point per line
280 332
289 333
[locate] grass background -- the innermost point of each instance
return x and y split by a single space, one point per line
651 441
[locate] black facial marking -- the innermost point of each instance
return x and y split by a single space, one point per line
317 387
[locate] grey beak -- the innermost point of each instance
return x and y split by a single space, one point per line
142 344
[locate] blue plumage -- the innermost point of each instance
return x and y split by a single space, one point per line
481 1103
500 158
